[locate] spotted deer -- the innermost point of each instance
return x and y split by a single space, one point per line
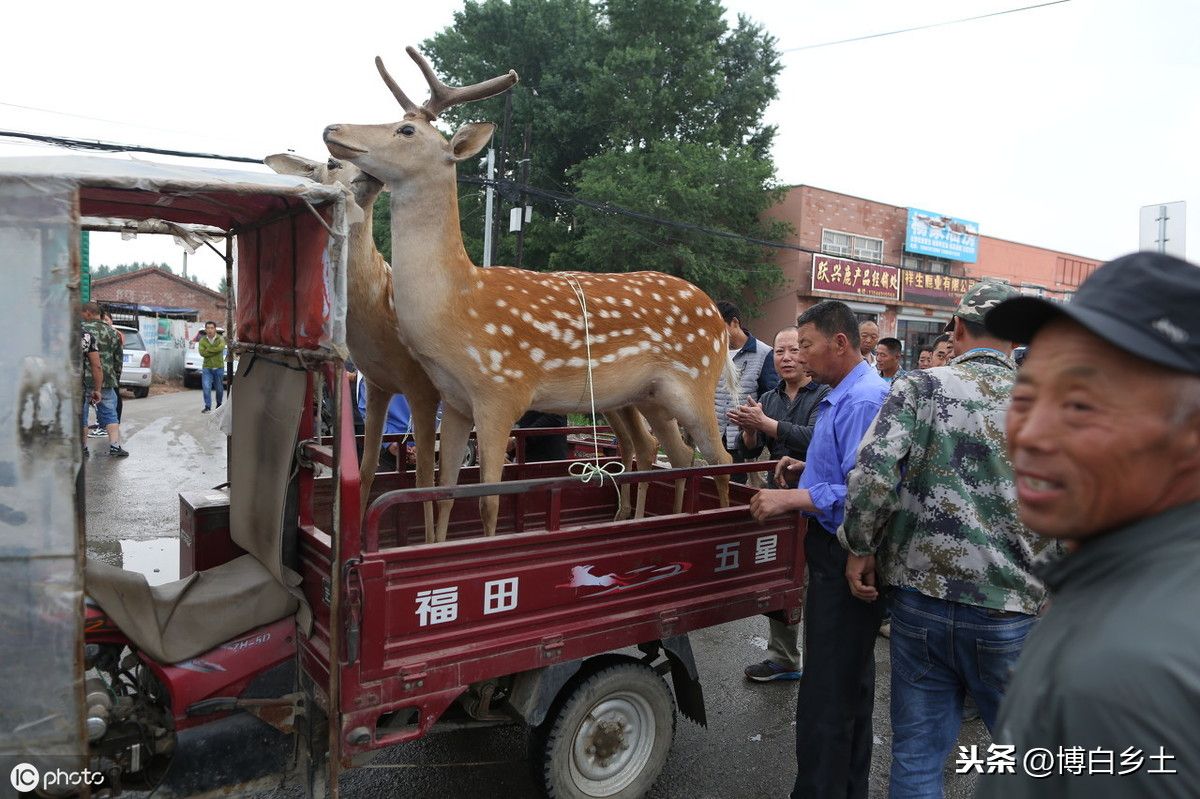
386 363
498 340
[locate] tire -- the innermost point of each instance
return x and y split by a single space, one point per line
609 736
141 392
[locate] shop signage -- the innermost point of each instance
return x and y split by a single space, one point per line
941 236
922 287
855 277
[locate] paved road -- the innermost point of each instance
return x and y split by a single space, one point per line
746 751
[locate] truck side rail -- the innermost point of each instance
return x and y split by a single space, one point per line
692 477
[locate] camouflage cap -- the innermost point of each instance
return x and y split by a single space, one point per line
981 298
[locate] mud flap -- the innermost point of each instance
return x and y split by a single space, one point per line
688 693
533 692
227 757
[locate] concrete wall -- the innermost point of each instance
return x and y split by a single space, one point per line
1033 266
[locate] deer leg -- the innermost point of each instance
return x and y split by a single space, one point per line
377 405
424 430
456 429
702 424
678 451
492 440
647 453
618 422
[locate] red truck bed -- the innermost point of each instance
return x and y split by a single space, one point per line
435 619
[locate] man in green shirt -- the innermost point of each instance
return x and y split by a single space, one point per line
212 375
1104 435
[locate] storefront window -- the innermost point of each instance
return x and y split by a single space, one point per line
916 335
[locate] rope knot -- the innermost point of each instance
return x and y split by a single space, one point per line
586 471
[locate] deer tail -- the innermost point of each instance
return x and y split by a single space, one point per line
731 376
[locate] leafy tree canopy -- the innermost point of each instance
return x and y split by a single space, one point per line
653 105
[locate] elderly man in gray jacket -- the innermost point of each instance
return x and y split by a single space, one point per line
1104 434
755 367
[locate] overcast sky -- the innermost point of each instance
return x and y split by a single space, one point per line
1051 126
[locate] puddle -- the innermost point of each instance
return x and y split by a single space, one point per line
157 558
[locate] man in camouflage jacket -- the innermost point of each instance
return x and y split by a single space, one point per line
112 356
932 496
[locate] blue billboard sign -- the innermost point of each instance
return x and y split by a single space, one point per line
941 236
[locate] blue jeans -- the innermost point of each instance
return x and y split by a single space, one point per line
942 650
106 411
210 379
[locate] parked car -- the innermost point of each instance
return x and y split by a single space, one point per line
192 363
135 373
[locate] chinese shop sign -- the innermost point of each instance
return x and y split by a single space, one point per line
922 287
855 277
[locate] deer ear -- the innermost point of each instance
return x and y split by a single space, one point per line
292 164
470 139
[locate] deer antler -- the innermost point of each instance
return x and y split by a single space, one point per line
408 105
442 96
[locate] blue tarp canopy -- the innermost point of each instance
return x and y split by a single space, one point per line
149 310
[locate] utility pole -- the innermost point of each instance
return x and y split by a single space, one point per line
522 216
489 207
501 164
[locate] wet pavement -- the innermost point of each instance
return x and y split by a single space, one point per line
134 501
747 750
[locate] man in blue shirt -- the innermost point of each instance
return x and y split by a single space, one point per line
837 691
399 420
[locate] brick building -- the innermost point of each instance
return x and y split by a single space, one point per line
154 286
902 267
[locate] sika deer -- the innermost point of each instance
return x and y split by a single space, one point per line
497 341
371 332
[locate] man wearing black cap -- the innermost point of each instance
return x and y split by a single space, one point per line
1104 435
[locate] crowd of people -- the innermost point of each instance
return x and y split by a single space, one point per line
1032 532
1038 521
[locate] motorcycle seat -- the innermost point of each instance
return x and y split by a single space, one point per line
179 620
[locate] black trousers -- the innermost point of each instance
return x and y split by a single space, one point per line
837 692
737 458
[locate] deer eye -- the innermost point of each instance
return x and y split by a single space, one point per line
407 130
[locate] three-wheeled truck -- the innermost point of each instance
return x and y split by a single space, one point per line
303 635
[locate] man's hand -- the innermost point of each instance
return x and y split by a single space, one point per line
748 416
860 573
788 467
768 502
95 396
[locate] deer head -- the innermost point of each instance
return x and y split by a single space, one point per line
363 187
398 151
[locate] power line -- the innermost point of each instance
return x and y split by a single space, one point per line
921 27
508 189
104 120
96 145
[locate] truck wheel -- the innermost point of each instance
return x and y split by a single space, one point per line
610 735
141 392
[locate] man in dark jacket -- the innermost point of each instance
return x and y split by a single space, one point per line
1104 434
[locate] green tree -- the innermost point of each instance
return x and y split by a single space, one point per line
653 105
382 231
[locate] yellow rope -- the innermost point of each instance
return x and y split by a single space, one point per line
581 469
